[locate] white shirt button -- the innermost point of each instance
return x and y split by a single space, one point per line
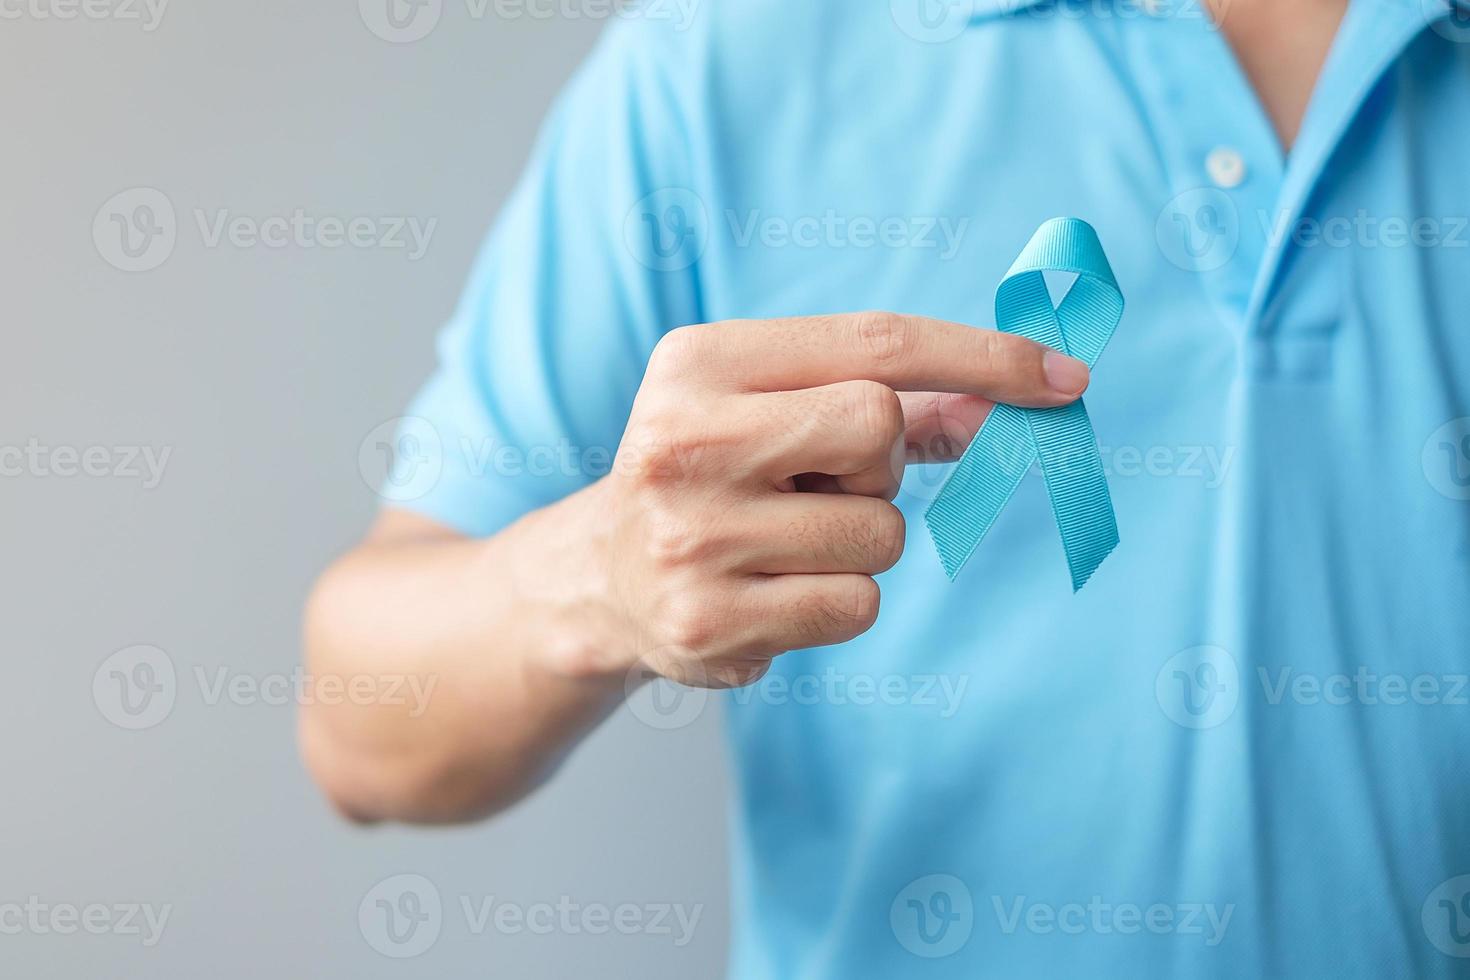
1226 167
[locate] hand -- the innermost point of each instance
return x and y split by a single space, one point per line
750 503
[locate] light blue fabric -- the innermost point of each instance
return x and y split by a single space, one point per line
1011 438
1255 708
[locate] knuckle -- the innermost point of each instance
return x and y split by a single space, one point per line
877 411
678 350
885 337
1006 353
687 623
669 540
660 450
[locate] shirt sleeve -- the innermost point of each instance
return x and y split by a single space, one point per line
593 258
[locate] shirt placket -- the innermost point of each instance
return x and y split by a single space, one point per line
1236 201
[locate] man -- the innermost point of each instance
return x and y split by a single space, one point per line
1236 751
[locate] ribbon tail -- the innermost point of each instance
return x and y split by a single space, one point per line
978 488
1077 486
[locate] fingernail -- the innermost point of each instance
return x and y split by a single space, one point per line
1066 375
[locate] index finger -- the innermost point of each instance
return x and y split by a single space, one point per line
907 353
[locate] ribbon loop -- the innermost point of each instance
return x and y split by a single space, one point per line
1061 438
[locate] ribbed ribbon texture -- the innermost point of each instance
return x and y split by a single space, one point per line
1061 438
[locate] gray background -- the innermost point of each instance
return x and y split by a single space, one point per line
261 371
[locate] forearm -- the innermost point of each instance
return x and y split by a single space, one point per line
508 642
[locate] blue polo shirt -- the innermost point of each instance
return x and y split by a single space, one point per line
1240 751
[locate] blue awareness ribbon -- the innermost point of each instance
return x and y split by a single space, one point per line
1061 438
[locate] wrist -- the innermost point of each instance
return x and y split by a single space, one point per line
563 581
